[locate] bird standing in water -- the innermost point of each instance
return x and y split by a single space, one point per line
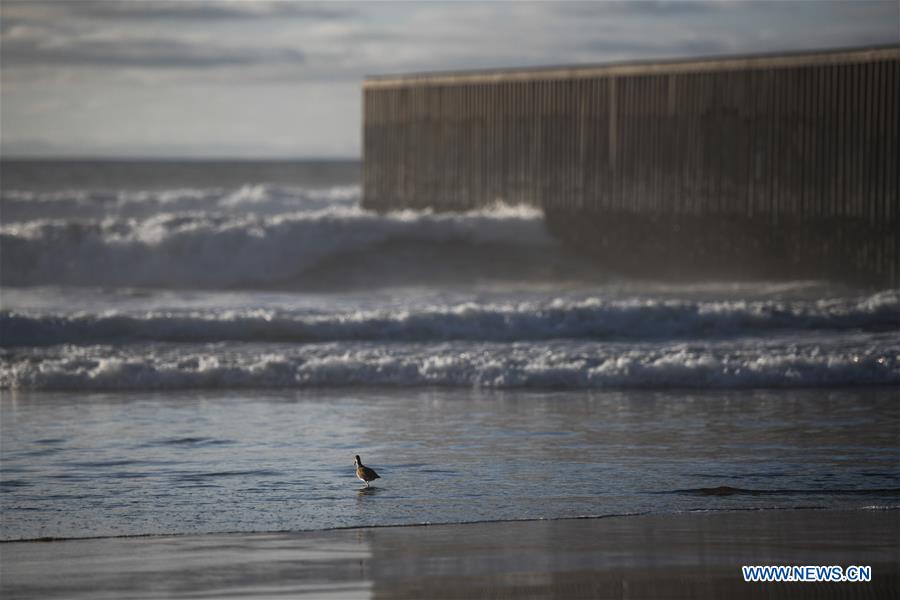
364 473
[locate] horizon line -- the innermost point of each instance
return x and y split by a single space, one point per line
176 158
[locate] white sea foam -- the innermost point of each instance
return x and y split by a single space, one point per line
269 237
565 364
30 205
579 318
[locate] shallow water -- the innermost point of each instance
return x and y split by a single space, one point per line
91 464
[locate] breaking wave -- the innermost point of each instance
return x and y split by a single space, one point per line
587 318
221 249
30 205
269 237
815 361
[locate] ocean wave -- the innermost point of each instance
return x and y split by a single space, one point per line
223 250
29 205
559 365
586 318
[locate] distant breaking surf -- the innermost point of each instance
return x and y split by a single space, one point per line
258 238
550 323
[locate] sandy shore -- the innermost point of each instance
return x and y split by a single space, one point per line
671 556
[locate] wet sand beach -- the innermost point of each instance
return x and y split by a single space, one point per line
669 556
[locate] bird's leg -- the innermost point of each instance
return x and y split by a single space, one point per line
367 484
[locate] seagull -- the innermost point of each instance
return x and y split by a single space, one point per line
364 473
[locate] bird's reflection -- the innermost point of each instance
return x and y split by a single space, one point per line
368 491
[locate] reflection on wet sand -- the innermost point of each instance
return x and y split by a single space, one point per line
673 556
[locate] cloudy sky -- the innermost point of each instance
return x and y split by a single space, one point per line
253 78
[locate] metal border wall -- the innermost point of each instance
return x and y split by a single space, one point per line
795 157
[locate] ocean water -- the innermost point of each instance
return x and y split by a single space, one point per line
198 347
